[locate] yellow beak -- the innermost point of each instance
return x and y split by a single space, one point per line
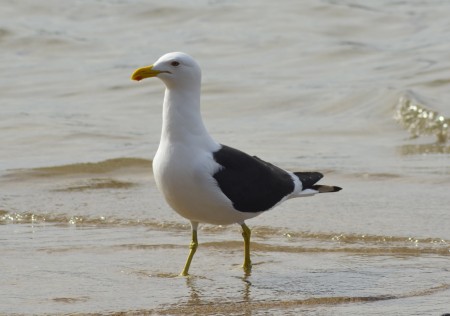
144 72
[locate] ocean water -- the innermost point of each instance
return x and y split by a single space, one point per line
357 90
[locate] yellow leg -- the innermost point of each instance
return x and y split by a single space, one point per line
193 247
246 232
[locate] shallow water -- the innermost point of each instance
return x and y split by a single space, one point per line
325 85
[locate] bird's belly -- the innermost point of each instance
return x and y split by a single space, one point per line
191 190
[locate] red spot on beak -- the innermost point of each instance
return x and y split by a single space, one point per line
138 78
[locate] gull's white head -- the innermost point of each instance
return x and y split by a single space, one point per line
176 70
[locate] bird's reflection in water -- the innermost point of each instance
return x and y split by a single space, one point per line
196 295
247 287
246 294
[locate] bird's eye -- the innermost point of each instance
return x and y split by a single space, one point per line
175 63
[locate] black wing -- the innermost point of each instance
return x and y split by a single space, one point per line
251 184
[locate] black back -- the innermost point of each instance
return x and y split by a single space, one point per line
251 184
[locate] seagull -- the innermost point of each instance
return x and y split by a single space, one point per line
203 180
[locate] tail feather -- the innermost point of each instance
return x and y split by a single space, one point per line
326 188
309 180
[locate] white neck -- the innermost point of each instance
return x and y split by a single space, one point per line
182 121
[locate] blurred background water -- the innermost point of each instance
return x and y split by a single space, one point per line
356 90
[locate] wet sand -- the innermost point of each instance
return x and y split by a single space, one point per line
124 260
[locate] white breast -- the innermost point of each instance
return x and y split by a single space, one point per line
185 177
